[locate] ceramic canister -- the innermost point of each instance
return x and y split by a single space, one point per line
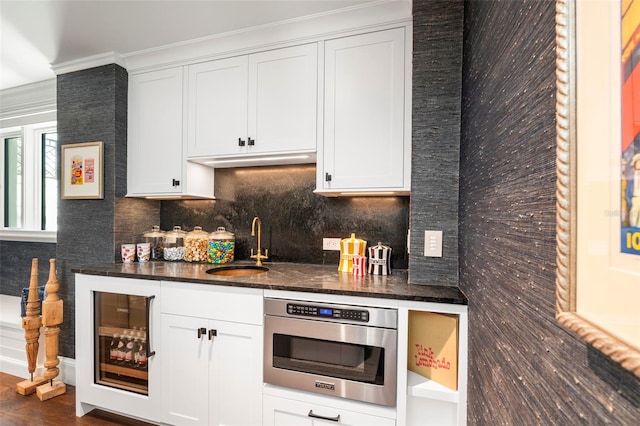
380 260
359 268
350 247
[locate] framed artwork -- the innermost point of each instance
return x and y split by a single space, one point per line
598 239
81 171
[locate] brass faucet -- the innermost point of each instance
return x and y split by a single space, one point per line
258 256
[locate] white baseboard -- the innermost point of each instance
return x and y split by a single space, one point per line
13 359
19 368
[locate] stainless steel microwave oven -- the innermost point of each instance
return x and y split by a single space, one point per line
340 350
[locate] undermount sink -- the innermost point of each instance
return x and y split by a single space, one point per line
237 270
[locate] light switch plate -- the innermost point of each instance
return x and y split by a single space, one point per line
331 244
433 243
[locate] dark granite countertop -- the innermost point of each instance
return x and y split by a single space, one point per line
287 276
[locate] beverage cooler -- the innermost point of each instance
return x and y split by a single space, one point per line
122 345
117 336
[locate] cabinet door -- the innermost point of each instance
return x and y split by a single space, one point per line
185 366
283 93
236 374
283 411
154 140
217 107
364 124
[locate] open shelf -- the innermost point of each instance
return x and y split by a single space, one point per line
421 387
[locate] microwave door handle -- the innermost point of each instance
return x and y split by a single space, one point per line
317 416
150 352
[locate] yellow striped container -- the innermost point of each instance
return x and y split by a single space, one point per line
349 248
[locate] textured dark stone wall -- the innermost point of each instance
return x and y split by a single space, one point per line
437 83
294 218
133 218
15 264
523 368
92 106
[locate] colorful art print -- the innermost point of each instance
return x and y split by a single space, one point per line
81 171
630 152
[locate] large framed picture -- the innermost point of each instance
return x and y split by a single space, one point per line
81 171
598 157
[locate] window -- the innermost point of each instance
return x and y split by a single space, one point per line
29 182
49 212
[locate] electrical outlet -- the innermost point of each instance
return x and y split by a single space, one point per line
433 243
331 244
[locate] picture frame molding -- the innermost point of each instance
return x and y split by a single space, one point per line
625 355
66 189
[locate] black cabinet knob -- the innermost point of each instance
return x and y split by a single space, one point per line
175 182
241 142
327 177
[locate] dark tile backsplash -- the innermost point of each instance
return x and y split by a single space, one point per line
294 218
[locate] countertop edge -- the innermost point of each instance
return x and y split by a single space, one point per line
455 295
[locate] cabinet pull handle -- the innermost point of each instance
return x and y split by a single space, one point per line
251 142
212 333
327 177
317 416
150 352
201 331
175 182
240 142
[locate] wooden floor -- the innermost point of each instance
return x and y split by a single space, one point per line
19 410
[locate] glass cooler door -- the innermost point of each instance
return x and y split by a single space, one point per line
122 343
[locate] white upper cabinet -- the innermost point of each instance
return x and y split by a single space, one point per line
256 104
156 165
367 108
331 88
217 107
283 99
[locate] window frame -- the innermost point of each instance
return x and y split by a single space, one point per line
32 187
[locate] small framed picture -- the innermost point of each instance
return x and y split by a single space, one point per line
81 171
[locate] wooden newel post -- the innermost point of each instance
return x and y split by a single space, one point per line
31 324
51 318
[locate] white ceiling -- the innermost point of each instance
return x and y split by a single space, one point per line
37 34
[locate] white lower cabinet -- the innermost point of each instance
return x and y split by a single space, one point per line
212 369
208 362
283 411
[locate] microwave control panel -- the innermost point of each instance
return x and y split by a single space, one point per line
361 315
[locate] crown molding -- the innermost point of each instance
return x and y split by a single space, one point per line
88 62
336 23
19 103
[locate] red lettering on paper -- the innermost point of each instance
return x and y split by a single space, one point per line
425 357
